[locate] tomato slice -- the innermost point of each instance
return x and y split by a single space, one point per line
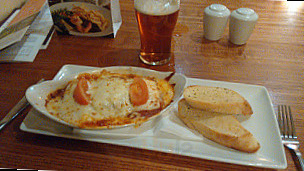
139 94
80 93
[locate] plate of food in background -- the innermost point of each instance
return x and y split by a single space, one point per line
104 2
82 19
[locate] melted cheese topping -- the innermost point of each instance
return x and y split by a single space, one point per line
110 102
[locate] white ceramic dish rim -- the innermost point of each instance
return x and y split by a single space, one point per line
36 94
105 12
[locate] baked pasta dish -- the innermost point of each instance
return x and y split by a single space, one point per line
104 99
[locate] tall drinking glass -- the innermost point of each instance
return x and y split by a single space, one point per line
156 21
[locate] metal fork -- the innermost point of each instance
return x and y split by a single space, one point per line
288 133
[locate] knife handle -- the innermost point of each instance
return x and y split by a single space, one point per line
15 111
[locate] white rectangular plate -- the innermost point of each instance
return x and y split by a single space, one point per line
262 124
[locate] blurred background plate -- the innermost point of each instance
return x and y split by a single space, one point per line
103 2
69 5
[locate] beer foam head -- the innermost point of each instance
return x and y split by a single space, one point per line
157 7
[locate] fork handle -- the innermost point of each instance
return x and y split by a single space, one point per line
300 159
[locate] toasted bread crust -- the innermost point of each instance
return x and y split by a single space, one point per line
217 99
221 128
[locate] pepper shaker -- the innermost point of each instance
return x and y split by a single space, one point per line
215 20
242 22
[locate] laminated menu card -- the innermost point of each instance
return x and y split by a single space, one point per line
91 18
16 16
26 27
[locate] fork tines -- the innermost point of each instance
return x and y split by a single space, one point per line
285 121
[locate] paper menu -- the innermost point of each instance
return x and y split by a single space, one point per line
27 48
7 8
24 18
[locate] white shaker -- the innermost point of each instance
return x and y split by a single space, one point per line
215 20
242 22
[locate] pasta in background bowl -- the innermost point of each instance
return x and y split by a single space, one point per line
81 19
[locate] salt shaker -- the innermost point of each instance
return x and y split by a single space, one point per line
242 22
215 20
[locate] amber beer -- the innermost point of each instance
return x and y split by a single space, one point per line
156 28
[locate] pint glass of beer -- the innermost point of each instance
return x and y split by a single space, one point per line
156 21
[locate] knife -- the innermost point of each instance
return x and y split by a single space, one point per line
15 111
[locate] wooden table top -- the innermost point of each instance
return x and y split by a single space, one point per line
273 57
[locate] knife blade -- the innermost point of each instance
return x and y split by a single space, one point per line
15 111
